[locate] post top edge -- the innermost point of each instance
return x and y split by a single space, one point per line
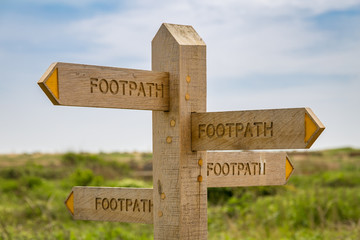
183 34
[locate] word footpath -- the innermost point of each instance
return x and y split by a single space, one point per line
130 88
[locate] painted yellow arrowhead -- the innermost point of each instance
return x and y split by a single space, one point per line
288 168
310 127
53 84
70 202
49 83
313 128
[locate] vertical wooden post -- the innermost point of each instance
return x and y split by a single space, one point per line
180 191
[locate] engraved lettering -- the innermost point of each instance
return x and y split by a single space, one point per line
141 90
113 204
248 130
123 204
136 205
270 128
93 83
260 167
122 82
150 88
103 86
129 202
159 88
254 164
210 126
229 169
105 203
257 124
121 200
114 87
247 169
263 169
240 167
97 202
226 170
132 87
219 172
239 127
127 88
220 130
230 129
143 203
150 205
233 168
209 168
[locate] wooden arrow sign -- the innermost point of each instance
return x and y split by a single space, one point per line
107 87
111 204
243 169
259 129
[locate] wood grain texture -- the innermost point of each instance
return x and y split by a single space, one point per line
243 169
182 214
113 204
106 87
256 129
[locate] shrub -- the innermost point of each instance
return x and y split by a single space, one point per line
30 182
11 173
8 186
85 177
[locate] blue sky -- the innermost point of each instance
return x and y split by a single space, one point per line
260 55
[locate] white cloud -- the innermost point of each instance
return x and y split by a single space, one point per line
244 36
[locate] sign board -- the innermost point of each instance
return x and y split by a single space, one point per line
257 129
108 87
243 169
111 204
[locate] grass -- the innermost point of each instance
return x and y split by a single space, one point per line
320 201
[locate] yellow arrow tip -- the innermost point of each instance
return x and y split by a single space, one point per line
310 127
70 202
313 128
53 84
49 83
288 168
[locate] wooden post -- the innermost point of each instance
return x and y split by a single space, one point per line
179 175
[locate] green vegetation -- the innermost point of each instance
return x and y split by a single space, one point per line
320 200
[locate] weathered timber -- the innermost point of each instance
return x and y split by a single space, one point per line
243 169
180 200
111 204
293 128
107 87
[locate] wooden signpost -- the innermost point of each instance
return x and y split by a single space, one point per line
260 129
108 87
182 133
111 204
243 169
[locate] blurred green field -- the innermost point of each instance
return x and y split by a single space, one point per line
320 201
